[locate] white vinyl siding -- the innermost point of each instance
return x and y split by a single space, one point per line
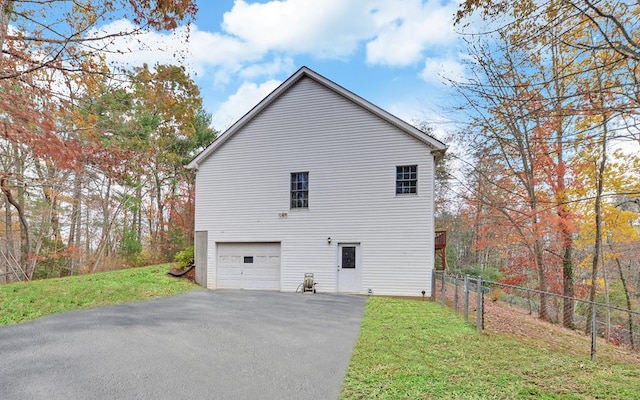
243 193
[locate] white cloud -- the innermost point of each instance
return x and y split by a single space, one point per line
327 29
262 39
406 29
218 49
191 47
248 95
394 32
133 50
439 70
270 69
404 109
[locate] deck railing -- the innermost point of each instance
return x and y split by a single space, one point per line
441 239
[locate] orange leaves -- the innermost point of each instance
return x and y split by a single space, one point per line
48 56
162 14
59 35
31 125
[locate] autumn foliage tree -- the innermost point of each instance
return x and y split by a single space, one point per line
544 78
67 131
142 134
612 24
551 93
43 42
512 129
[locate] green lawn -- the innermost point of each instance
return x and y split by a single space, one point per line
21 302
411 349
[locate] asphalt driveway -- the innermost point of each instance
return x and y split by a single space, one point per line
200 345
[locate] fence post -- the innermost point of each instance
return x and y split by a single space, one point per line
455 294
482 306
479 304
466 298
594 328
433 284
444 288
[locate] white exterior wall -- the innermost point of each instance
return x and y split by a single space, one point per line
351 156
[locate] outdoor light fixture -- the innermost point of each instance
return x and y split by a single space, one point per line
329 240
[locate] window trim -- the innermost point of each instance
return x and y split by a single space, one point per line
294 199
403 183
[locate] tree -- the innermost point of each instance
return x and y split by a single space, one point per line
167 113
614 24
61 34
544 71
515 128
47 49
622 241
141 135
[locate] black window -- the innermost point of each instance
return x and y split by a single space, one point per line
299 190
248 259
348 257
406 179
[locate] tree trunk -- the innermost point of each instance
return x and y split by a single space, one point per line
542 280
87 233
568 289
4 24
74 228
597 247
627 297
160 206
106 225
138 214
8 250
599 104
607 301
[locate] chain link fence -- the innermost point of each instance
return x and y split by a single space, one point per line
481 302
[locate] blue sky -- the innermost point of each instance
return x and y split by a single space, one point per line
391 52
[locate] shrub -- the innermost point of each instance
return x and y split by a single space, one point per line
185 257
487 273
496 294
52 262
130 246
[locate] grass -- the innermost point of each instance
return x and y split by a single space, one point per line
411 349
20 302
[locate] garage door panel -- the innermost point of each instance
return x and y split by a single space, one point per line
229 276
261 271
249 266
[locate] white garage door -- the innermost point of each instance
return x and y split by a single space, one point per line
248 266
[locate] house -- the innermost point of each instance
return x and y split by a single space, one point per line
315 179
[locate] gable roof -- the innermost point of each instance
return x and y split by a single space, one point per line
437 147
